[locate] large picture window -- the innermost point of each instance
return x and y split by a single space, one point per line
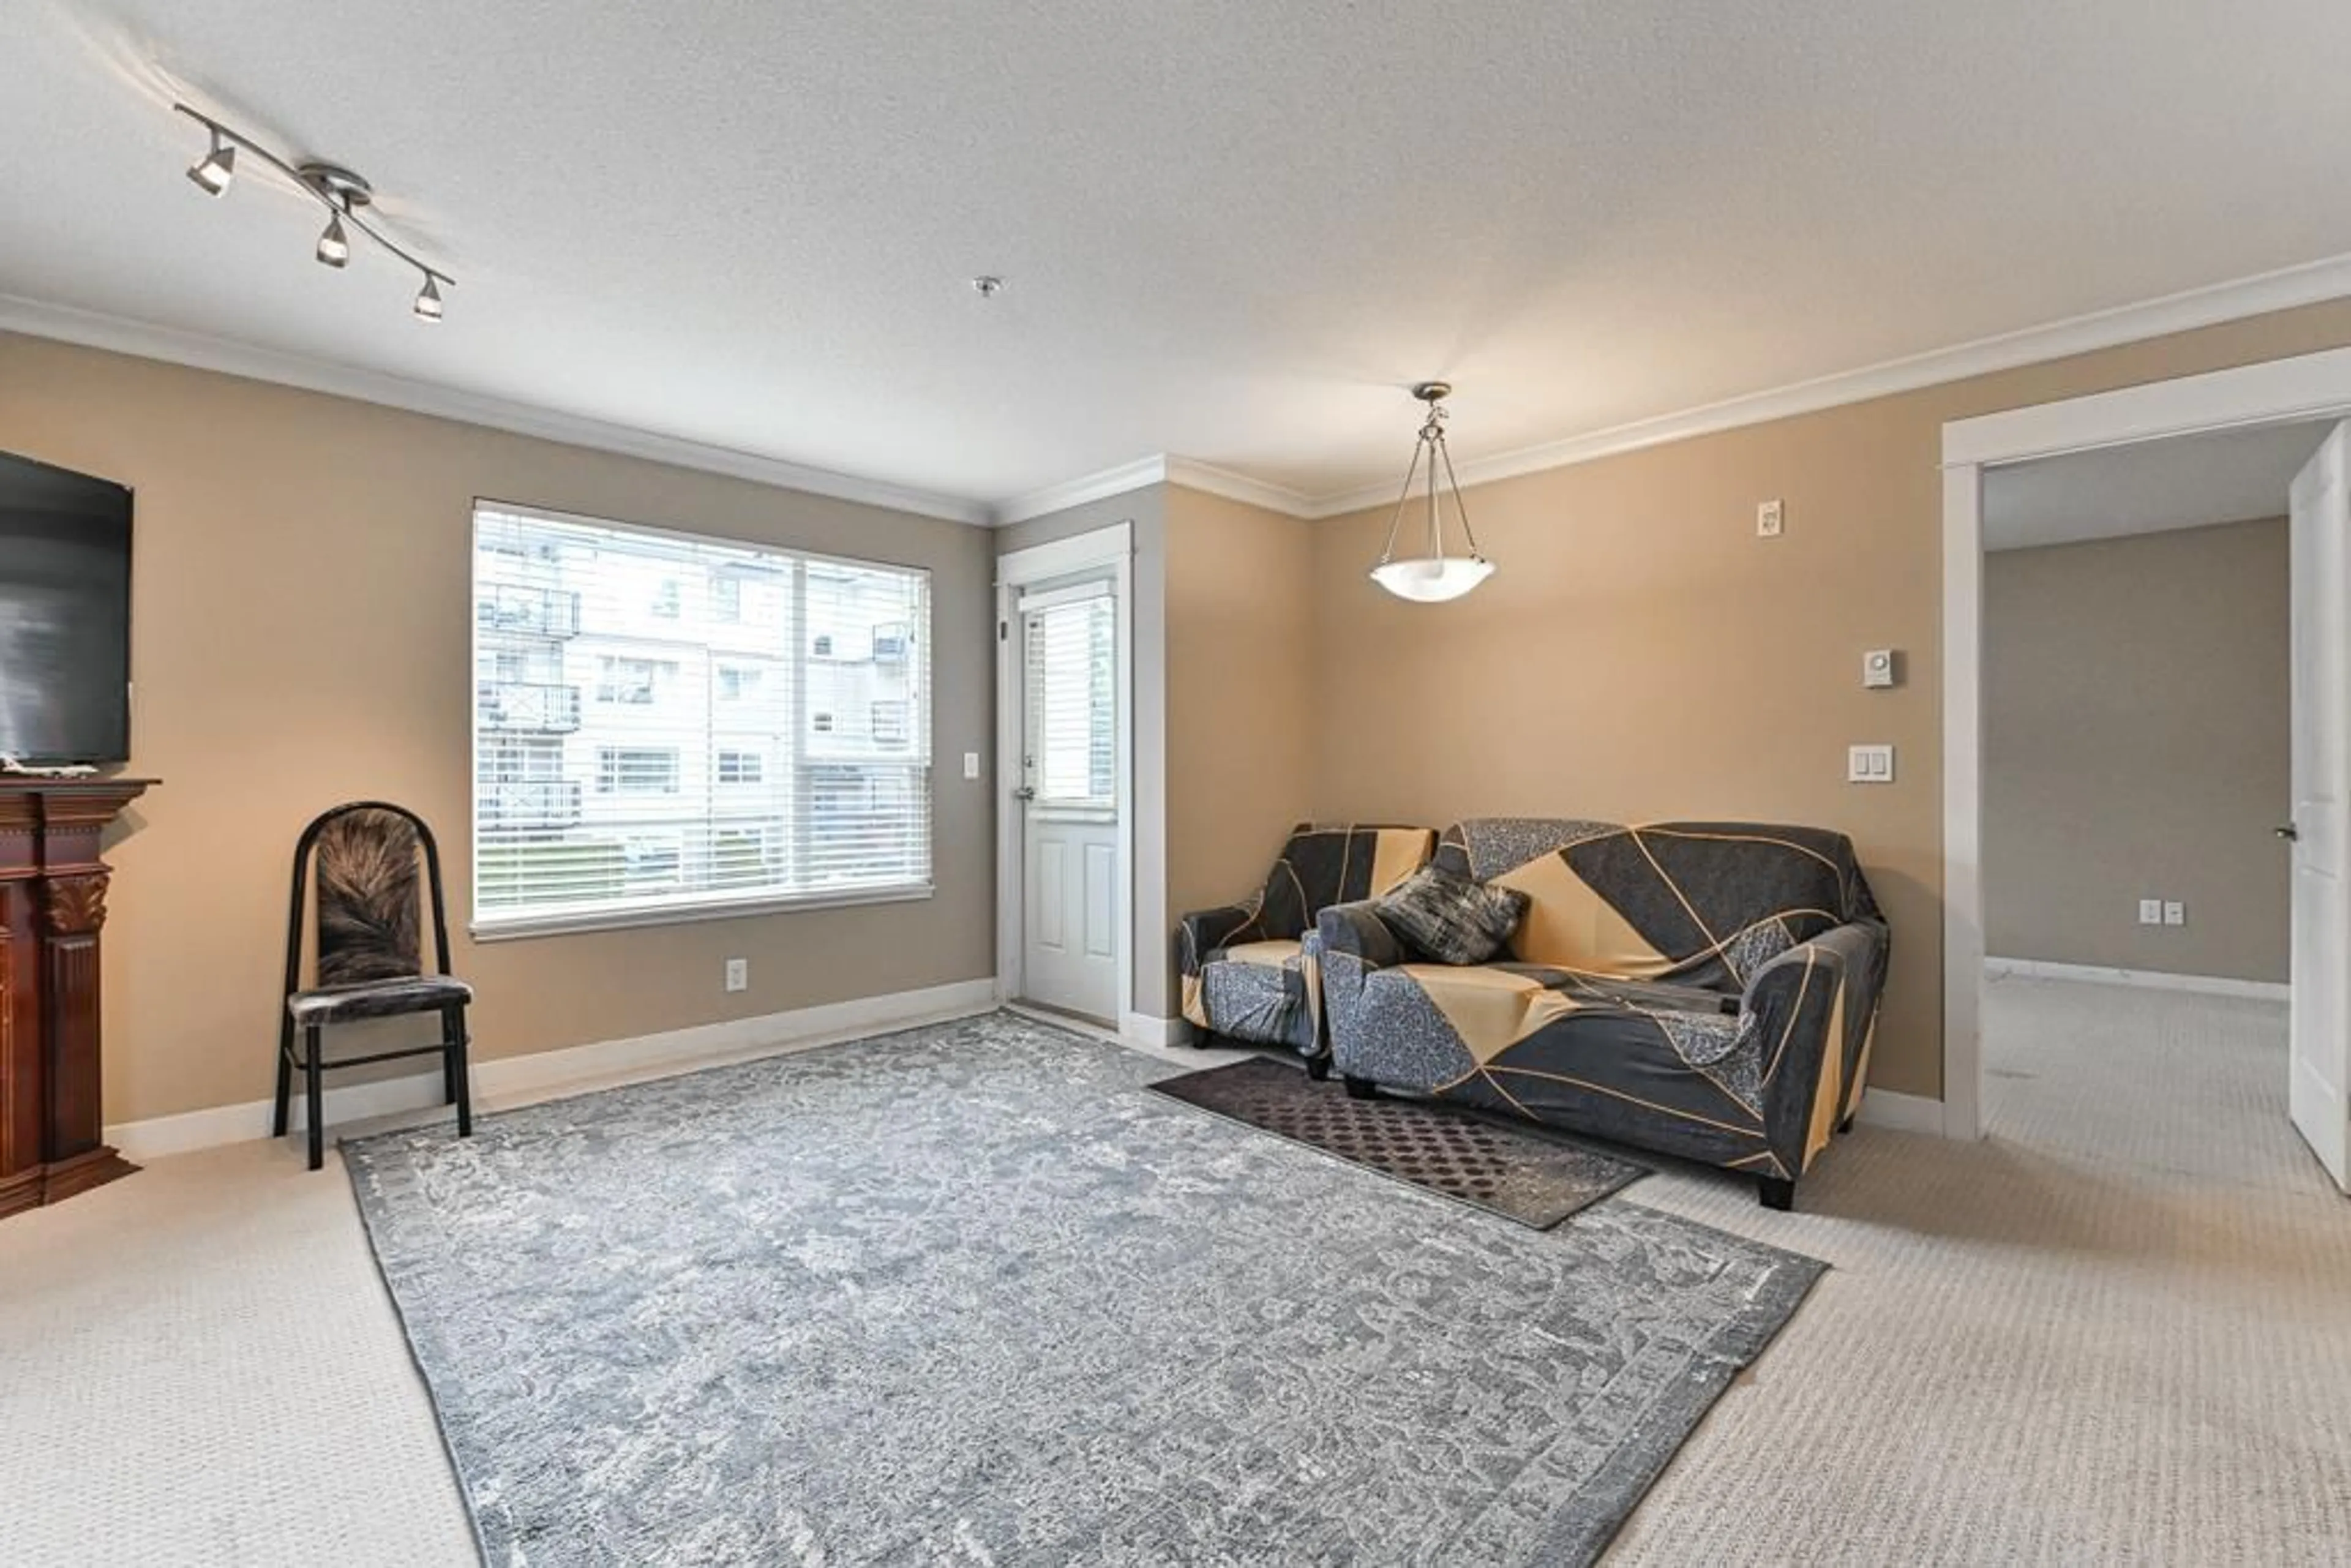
667 726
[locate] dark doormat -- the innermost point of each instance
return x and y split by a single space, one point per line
1517 1172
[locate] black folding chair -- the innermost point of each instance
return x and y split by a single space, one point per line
367 964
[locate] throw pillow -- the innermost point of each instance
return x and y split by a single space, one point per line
1451 918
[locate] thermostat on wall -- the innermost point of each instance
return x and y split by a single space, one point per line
1877 667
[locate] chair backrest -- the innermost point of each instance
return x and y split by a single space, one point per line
364 855
1338 862
1697 904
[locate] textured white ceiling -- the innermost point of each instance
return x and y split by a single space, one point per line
2231 477
1232 231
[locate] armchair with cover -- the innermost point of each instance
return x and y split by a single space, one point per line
1246 974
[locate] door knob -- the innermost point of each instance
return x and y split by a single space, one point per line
2289 832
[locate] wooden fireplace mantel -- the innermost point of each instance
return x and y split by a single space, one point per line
52 904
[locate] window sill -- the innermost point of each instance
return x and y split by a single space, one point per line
559 924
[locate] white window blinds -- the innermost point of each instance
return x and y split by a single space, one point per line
1071 662
666 726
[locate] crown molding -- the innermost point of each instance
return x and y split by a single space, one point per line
1099 485
2284 290
2311 284
198 350
1160 468
1232 487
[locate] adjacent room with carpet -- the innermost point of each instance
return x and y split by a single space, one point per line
1123 785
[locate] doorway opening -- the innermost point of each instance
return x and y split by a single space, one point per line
2311 390
2136 747
1065 773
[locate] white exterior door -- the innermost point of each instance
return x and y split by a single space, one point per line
1069 797
2320 1093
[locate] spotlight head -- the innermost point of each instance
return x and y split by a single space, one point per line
213 172
428 300
334 246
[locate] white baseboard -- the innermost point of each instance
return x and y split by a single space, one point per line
2154 980
1146 1028
1901 1113
513 1079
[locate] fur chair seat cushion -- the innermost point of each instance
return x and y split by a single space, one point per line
377 999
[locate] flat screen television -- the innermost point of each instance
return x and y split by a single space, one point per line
65 615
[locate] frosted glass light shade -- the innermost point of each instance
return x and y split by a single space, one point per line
1432 580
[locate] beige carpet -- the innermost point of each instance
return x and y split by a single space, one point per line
2118 1330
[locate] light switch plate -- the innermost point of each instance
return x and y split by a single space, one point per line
1771 519
1869 765
2150 912
1877 667
2174 911
971 764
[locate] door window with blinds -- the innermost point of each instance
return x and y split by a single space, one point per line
666 727
1070 666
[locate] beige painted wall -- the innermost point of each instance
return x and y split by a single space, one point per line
301 604
1240 662
2137 735
1641 655
301 607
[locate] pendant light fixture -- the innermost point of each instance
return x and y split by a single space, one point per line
1435 577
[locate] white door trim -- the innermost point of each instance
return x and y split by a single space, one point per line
2309 386
1113 546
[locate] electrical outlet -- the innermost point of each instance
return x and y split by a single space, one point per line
738 974
1869 765
971 764
2150 912
2174 911
1770 518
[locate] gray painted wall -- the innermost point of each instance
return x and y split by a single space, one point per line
2135 746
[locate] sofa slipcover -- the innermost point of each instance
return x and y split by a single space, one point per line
1708 989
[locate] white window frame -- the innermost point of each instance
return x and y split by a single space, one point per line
712 905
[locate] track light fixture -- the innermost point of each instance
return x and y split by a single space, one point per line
338 189
213 172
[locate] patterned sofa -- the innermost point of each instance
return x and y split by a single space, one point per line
1244 969
1698 988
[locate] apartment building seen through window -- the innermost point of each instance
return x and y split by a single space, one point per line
667 726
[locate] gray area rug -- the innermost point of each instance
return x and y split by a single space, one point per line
969 1294
1515 1172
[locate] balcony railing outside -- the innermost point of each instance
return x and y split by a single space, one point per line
529 804
529 705
529 612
